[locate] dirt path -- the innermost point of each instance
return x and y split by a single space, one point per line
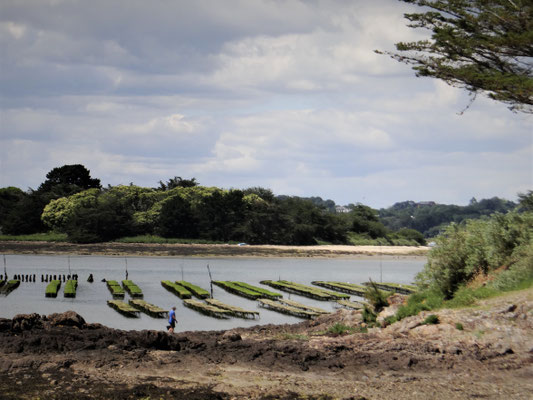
62 357
206 250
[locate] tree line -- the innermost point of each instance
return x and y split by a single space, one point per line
70 201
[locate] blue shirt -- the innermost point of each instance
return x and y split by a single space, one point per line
171 316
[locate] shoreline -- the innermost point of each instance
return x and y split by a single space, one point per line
209 250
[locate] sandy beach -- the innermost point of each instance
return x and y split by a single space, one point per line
209 250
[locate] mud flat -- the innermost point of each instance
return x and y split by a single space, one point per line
207 250
62 357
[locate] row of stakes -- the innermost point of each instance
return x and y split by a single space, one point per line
45 278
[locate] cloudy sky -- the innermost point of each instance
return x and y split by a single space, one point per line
282 94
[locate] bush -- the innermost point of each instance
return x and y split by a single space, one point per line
420 301
340 329
369 316
479 247
377 298
459 326
431 320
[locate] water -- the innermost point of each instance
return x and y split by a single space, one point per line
148 272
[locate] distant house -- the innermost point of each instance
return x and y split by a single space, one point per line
342 209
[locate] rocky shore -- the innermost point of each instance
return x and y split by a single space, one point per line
60 356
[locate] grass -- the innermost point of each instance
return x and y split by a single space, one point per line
464 297
36 237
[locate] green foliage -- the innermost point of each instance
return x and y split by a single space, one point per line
377 298
340 329
478 45
431 319
525 201
68 179
58 213
477 247
36 237
459 326
369 316
176 182
420 301
431 219
465 296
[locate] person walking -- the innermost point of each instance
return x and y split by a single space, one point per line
172 320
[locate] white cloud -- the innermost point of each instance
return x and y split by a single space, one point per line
288 95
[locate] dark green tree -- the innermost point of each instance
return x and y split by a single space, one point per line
176 182
25 216
220 215
365 220
67 180
525 201
110 218
483 46
9 198
177 219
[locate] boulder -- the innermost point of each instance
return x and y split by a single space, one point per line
26 322
68 318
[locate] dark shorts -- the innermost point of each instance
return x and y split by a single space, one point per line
172 325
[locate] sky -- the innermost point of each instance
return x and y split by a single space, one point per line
283 94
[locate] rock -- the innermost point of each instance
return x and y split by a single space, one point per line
26 322
68 318
232 336
388 312
397 299
5 324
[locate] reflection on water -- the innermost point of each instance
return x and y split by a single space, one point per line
148 272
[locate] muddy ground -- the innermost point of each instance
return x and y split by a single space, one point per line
206 250
491 357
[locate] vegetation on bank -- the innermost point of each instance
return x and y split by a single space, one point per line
74 207
471 261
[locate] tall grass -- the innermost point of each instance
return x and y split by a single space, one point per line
36 237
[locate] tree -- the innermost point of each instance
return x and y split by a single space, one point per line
483 46
176 219
525 201
176 182
67 180
365 220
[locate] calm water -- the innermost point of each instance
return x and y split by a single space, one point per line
148 272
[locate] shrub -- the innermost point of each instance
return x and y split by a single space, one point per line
459 326
340 329
420 301
479 246
431 319
377 298
369 316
